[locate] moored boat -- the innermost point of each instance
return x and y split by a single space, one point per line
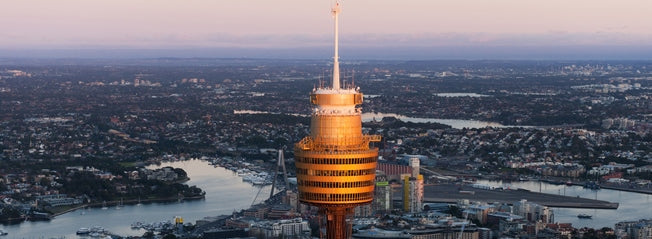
97 229
83 231
584 216
592 185
39 216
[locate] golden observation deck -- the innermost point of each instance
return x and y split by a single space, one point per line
335 165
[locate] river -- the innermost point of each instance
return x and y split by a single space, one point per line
475 95
633 206
225 192
368 117
455 123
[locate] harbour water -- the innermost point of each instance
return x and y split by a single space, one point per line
633 206
225 192
460 95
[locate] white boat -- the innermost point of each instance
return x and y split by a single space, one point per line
248 178
119 206
136 225
259 182
3 233
243 172
97 229
83 231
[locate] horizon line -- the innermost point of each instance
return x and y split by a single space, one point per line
495 52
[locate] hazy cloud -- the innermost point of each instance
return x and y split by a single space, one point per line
306 41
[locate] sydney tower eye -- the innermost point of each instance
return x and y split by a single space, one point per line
335 165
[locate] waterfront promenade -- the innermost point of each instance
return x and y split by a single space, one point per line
451 193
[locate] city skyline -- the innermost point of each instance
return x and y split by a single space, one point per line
410 26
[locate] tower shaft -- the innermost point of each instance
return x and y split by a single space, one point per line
337 226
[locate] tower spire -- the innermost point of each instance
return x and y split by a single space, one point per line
336 63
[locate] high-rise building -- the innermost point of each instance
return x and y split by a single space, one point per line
533 212
335 165
383 199
415 165
413 194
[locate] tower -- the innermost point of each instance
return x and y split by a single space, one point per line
335 165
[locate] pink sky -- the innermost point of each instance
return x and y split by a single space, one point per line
267 23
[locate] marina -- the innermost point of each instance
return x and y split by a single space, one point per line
94 232
249 172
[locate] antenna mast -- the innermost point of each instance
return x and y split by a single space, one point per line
336 64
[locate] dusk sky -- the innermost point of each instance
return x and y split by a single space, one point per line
425 24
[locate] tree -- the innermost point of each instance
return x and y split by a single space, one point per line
148 234
257 140
180 172
45 182
170 236
455 211
8 213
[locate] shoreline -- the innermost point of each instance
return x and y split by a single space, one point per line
573 183
127 202
602 186
548 180
633 190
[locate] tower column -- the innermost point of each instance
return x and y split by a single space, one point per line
337 226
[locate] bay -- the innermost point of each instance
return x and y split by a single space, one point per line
633 206
225 192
